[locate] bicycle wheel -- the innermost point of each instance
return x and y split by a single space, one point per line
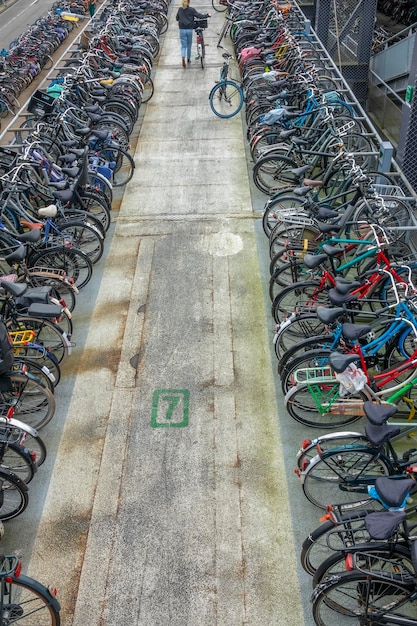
392 213
48 335
40 359
336 563
62 289
356 597
16 459
85 237
202 54
219 5
29 603
286 235
303 296
304 326
311 355
226 99
29 438
13 495
308 448
341 477
120 162
274 172
36 369
319 405
33 403
76 265
278 207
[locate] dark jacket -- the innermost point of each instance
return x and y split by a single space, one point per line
185 17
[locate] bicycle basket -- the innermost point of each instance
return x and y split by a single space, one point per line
331 96
41 103
200 23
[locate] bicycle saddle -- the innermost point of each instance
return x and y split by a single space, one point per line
355 331
378 435
331 250
327 316
16 256
378 414
344 286
338 299
339 361
48 211
393 491
32 236
381 524
15 289
314 260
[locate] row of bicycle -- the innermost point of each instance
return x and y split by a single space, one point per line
57 184
28 55
343 293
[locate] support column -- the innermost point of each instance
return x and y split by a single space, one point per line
407 143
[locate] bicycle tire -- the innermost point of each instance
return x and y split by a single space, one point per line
94 205
344 599
34 404
29 438
226 99
302 407
273 173
310 354
86 237
336 563
47 335
218 7
14 496
35 603
76 265
322 480
125 165
342 438
38 370
305 296
276 207
288 338
17 459
315 547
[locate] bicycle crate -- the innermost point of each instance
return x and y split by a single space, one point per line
200 23
41 103
389 191
331 96
21 337
314 375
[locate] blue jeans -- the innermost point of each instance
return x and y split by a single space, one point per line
186 37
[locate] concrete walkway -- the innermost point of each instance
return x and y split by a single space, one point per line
168 503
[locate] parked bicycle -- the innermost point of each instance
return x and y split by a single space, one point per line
226 98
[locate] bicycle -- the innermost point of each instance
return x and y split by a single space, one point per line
199 26
23 599
377 591
346 474
226 98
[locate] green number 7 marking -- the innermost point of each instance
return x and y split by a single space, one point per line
170 408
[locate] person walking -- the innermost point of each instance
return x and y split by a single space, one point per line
185 19
91 7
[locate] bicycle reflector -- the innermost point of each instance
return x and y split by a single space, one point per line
305 444
349 562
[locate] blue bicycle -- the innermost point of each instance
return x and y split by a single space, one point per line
226 98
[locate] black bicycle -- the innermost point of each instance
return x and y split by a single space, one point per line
199 26
23 599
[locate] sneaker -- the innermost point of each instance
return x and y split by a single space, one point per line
188 61
183 62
